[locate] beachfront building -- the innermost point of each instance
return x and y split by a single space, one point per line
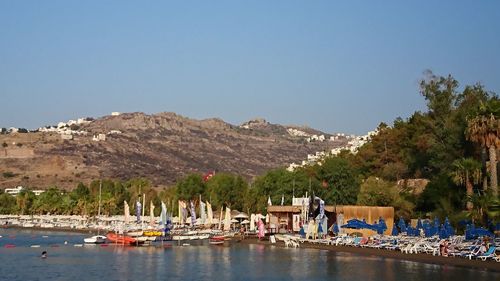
286 219
99 137
16 190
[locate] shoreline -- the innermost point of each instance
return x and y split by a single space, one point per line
57 229
397 255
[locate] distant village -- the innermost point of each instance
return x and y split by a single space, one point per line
354 143
67 130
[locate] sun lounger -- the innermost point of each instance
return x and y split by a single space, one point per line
488 255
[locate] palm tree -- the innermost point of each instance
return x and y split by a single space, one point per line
484 129
465 170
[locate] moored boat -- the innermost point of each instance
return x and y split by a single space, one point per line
97 239
216 240
120 239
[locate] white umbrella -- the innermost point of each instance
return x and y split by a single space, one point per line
241 216
234 221
245 222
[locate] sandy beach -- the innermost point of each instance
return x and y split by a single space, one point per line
423 258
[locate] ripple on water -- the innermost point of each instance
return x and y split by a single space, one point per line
205 262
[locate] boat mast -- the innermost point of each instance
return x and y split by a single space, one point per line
99 207
143 207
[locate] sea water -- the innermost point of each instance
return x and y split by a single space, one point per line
201 261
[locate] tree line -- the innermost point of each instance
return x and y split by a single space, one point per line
453 145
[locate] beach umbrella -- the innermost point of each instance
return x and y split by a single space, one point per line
436 222
419 224
245 222
442 233
302 232
394 231
335 228
241 216
402 225
382 224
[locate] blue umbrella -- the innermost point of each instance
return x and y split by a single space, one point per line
442 233
436 226
402 225
436 222
394 231
335 228
382 224
320 228
428 230
419 224
302 232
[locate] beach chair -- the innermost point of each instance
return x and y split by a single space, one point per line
488 255
476 252
406 248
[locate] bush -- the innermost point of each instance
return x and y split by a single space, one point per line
8 174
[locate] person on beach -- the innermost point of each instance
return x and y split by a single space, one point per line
242 232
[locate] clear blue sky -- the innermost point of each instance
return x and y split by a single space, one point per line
333 66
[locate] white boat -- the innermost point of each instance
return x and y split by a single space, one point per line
181 237
96 239
47 225
142 238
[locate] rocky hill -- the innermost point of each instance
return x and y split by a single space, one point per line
162 147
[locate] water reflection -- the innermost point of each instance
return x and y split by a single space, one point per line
203 261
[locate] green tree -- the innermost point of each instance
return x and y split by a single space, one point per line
190 187
339 181
377 192
484 129
48 202
226 190
7 204
466 171
24 201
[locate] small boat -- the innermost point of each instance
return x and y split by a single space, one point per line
142 238
181 237
152 233
78 245
218 238
215 242
35 246
135 233
97 239
120 239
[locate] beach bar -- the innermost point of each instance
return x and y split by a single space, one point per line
286 219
